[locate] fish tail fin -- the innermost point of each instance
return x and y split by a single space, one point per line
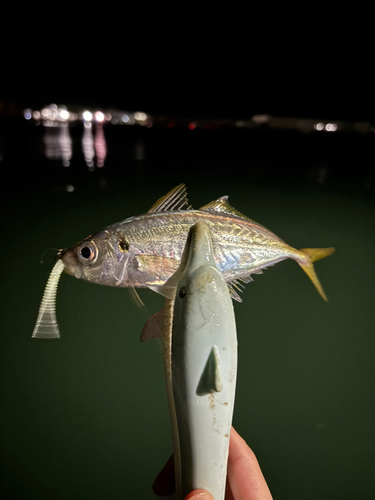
312 255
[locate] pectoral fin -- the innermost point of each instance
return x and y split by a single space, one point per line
160 267
166 291
211 379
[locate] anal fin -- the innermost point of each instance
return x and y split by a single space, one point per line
237 285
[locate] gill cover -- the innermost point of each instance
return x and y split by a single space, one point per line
46 324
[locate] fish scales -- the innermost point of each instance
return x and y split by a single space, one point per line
145 250
233 241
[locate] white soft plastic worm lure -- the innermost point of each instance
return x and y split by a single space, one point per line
200 360
46 326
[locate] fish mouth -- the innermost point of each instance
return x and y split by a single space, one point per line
71 265
59 254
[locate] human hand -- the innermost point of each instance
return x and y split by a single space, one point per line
245 480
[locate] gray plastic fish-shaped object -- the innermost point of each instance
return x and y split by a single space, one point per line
200 366
204 367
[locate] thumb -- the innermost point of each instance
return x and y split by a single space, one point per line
199 495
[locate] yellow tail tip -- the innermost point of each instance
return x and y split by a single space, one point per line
314 254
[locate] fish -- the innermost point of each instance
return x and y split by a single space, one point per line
144 251
199 336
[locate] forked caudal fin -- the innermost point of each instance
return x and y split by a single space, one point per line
312 255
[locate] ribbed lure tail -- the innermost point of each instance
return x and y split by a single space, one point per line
314 254
46 324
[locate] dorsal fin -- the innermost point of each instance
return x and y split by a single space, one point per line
176 199
222 205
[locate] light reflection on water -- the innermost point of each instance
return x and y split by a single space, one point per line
100 146
88 145
101 131
58 143
265 147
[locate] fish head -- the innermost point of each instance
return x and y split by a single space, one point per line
101 258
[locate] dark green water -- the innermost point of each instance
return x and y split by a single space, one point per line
85 417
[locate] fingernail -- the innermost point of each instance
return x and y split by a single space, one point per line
204 495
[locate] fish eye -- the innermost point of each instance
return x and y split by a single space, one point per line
182 292
87 253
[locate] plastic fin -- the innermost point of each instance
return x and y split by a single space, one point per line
46 326
153 327
176 199
211 379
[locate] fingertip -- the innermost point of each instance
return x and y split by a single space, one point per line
245 477
199 495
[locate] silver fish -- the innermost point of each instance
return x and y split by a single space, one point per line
144 251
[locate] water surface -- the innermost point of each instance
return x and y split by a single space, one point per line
86 416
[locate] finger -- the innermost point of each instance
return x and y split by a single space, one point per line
164 483
244 475
199 495
228 491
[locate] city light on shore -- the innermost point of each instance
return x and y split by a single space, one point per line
55 115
